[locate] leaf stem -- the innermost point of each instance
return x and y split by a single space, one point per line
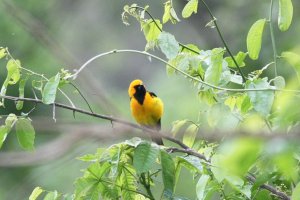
114 184
273 38
223 40
146 185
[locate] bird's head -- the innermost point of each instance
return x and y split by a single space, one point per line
136 86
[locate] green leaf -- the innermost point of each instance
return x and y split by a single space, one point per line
296 192
170 70
36 193
262 101
213 72
108 191
263 194
190 8
68 196
239 58
191 163
151 31
13 76
52 196
92 157
128 181
10 120
243 103
285 14
237 79
174 18
2 52
208 96
218 172
227 120
3 134
13 71
38 85
144 157
169 13
177 125
240 155
254 38
283 158
90 185
168 45
50 89
190 135
25 133
133 142
230 102
86 188
97 170
168 173
22 83
292 58
279 82
200 187
188 51
5 129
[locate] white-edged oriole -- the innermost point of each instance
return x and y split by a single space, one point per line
146 107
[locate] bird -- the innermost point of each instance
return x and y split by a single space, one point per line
146 108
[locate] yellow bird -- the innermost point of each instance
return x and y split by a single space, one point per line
146 107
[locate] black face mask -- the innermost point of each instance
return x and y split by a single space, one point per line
140 93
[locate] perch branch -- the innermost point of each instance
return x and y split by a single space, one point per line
186 149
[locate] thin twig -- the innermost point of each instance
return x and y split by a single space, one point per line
223 40
53 112
86 101
273 37
187 151
146 186
274 191
74 76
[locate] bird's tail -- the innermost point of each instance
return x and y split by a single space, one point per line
156 139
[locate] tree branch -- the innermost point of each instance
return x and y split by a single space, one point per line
106 117
271 189
188 151
185 149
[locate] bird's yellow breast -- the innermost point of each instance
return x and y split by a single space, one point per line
148 113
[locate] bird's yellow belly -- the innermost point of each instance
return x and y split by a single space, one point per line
146 114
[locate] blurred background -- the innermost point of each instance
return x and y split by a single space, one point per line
49 35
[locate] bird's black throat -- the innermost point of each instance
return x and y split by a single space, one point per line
140 93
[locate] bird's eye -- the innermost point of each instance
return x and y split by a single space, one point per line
139 87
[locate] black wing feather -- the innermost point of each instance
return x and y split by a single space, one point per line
152 94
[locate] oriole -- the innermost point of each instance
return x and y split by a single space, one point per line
146 107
